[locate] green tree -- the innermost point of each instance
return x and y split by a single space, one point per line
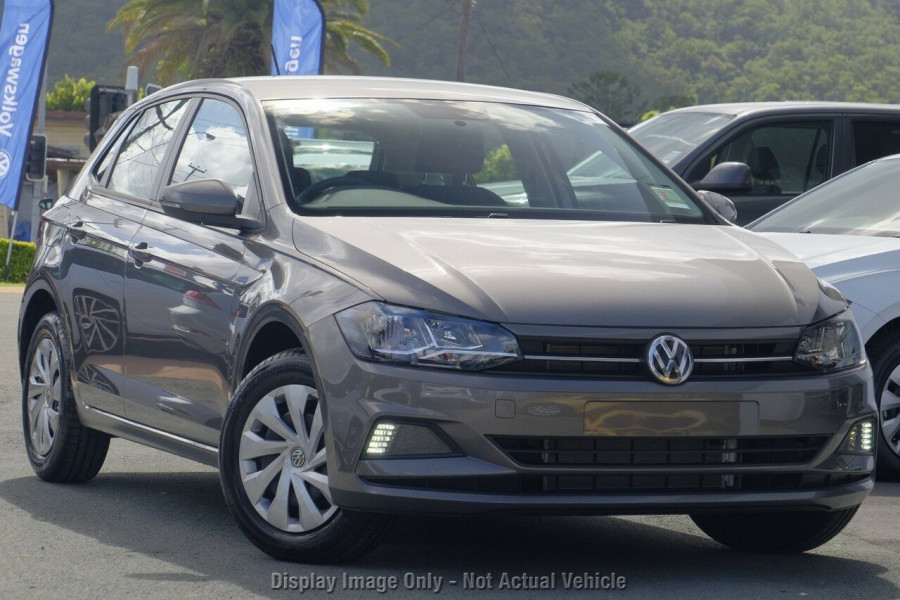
749 50
69 94
185 39
611 93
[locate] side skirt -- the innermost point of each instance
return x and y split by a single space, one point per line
148 436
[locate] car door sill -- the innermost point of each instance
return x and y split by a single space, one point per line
144 434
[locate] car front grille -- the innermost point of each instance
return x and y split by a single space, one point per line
625 359
659 451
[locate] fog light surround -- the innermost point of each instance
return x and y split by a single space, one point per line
400 439
860 439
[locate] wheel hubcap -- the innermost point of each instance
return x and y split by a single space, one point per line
43 398
283 463
890 411
297 457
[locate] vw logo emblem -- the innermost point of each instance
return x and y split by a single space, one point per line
297 457
5 163
670 359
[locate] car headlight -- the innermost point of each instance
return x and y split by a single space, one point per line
376 331
832 345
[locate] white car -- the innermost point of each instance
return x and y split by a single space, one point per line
848 231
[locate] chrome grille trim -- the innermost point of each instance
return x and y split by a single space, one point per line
637 360
751 359
580 358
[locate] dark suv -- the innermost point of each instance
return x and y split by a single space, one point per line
361 297
785 148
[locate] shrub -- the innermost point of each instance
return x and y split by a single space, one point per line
69 94
20 262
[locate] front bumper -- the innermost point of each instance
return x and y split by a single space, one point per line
696 447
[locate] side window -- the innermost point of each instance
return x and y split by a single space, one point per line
216 147
104 165
137 164
784 158
874 139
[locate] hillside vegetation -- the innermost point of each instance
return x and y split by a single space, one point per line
686 51
660 52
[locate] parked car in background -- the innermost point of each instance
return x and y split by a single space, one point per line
309 284
762 154
848 232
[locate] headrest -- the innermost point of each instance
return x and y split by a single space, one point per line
454 147
821 161
287 149
763 165
300 177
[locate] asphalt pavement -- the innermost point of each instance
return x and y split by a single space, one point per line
151 525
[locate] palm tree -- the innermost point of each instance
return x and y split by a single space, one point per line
343 25
185 39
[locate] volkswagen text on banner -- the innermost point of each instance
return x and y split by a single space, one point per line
24 34
298 29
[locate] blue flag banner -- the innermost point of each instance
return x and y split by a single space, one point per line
24 34
298 34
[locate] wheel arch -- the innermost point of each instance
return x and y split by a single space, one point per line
889 329
40 301
273 329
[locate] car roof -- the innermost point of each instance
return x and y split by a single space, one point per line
343 86
774 108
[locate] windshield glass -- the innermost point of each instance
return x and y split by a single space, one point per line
860 202
671 135
390 157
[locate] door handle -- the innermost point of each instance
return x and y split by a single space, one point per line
140 252
76 230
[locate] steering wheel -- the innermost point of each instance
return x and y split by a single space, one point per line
310 193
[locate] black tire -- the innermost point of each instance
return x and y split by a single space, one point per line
59 447
783 532
884 354
302 524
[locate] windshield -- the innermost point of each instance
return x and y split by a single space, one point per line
390 157
860 202
671 135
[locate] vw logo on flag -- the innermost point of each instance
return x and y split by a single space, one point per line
5 162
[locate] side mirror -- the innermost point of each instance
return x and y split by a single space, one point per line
207 202
720 204
727 177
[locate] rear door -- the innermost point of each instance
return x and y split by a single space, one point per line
99 233
181 283
870 136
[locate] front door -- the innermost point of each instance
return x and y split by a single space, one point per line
181 289
786 158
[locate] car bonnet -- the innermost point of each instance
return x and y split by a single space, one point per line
578 273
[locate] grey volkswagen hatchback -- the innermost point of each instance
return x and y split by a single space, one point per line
363 297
